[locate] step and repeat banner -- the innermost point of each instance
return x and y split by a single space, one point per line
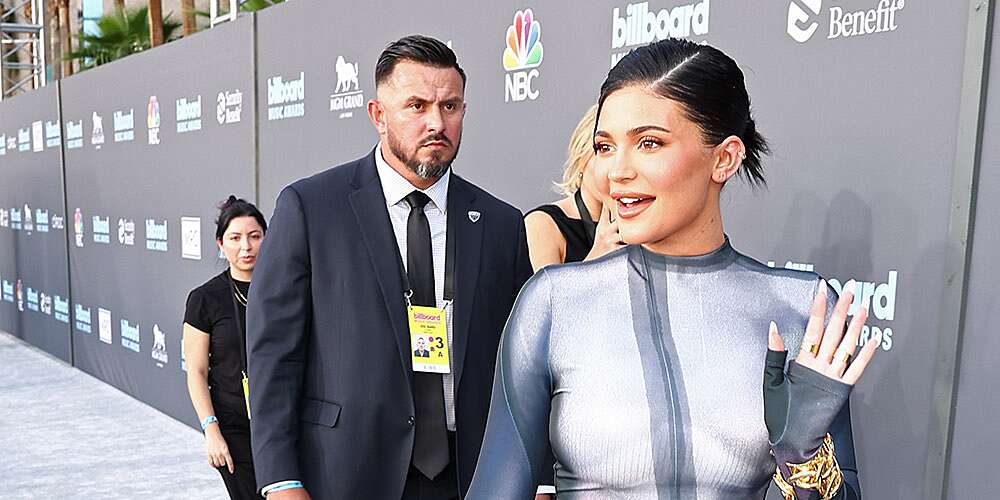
153 143
34 288
862 124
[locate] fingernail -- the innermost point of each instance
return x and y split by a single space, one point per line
773 328
849 286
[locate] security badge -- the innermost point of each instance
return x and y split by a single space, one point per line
429 338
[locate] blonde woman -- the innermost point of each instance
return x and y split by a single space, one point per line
566 231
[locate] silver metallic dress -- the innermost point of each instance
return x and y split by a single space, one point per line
642 375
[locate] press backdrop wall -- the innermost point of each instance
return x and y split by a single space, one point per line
868 116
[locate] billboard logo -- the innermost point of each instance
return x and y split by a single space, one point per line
124 125
104 325
156 235
159 351
188 115
286 99
61 306
522 56
153 120
37 136
8 291
126 232
102 229
97 134
802 22
78 227
41 220
82 316
15 219
640 26
130 335
191 238
347 95
74 134
229 107
53 134
33 302
24 139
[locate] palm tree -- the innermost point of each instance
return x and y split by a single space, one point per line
120 33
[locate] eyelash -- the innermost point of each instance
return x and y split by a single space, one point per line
646 140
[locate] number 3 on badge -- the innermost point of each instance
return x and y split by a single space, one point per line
428 339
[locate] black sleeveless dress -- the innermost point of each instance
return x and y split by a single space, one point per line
578 242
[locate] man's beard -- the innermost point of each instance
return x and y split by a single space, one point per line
432 169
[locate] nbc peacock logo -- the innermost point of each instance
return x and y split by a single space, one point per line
522 56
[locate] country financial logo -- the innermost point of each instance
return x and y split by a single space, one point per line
153 120
347 95
229 107
803 23
78 227
82 318
45 303
124 125
74 134
286 99
522 56
4 217
159 351
188 115
104 325
97 134
130 335
37 136
191 238
126 232
58 222
638 25
53 134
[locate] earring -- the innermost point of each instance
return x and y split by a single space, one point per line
743 155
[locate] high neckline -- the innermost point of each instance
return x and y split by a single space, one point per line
724 254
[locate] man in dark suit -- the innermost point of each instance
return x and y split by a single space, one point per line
338 411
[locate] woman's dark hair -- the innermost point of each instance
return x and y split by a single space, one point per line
419 49
235 207
706 83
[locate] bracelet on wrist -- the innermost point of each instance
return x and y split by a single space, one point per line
820 474
208 421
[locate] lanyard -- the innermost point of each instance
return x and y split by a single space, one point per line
589 226
449 269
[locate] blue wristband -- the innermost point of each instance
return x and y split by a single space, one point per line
287 486
208 420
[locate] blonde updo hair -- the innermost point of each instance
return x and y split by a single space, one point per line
580 151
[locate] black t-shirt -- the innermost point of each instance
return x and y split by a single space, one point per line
212 308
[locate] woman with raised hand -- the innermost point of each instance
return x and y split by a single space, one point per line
566 231
215 348
658 371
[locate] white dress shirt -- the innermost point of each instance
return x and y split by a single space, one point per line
395 188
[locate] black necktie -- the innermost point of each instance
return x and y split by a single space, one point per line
430 445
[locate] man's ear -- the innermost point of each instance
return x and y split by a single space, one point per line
376 113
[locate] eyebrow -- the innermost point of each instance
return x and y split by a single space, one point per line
635 131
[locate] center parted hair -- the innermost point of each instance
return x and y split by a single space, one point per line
419 49
706 83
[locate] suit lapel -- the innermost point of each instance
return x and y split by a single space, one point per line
368 203
468 235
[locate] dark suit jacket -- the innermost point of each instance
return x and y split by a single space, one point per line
331 382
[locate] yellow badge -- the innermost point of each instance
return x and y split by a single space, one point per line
246 393
428 339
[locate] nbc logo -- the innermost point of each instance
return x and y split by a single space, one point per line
879 19
522 56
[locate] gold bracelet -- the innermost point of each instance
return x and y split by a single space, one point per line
821 474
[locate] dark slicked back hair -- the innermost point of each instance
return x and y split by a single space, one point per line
419 49
706 83
235 207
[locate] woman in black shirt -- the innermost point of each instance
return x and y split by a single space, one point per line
565 231
214 340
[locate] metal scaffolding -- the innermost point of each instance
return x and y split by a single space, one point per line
22 48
